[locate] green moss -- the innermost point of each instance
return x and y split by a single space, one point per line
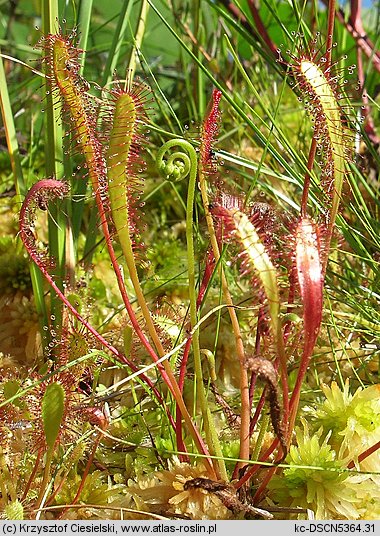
14 510
343 414
14 268
314 479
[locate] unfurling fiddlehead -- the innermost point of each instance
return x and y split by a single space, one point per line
174 167
178 165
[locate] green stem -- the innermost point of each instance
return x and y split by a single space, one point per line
84 20
182 165
117 42
260 439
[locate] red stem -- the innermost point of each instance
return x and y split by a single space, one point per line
255 468
359 35
259 408
252 384
261 28
33 474
84 476
306 185
365 454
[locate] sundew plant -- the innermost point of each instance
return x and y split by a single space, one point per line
189 269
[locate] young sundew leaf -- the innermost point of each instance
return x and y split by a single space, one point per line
209 132
53 404
260 261
239 226
310 279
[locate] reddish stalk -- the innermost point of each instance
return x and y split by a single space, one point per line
33 474
365 454
355 28
258 410
330 31
252 385
261 28
255 468
306 184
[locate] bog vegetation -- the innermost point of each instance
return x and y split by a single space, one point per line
189 279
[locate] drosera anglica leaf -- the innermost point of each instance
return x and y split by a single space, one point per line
311 280
322 89
53 406
209 131
330 132
127 112
243 231
62 60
